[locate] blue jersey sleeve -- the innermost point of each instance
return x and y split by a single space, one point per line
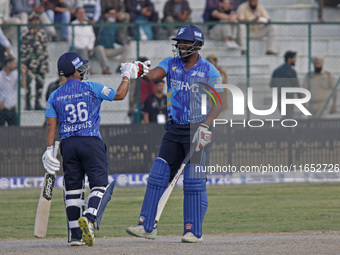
103 92
50 111
216 77
165 64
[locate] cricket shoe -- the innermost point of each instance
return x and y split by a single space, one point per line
77 242
191 238
139 231
88 230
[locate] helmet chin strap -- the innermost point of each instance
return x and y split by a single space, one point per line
178 52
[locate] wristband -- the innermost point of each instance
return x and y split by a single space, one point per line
126 80
204 125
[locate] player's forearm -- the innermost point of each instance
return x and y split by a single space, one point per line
50 132
122 89
155 74
214 112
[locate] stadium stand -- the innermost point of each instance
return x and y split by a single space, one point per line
325 42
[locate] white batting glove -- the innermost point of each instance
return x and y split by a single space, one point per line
202 136
129 70
50 163
143 67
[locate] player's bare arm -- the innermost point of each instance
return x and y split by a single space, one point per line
155 74
122 89
214 110
50 131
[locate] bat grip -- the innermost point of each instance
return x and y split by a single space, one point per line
56 148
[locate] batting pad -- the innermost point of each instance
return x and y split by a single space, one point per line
195 201
106 198
157 183
75 205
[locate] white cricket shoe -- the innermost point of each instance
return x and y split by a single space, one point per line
88 230
191 238
77 242
139 231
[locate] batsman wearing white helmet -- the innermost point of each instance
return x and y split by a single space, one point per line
76 105
184 73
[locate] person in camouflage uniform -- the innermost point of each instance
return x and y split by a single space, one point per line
34 55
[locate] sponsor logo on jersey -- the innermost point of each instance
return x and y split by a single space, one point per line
199 74
106 91
174 68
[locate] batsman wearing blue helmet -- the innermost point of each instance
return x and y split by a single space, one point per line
76 105
184 110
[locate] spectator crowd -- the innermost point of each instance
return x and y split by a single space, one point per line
100 29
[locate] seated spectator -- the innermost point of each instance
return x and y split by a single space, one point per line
72 6
83 38
106 39
92 10
251 11
142 11
209 6
9 91
22 9
321 86
34 55
57 12
122 17
176 11
6 19
155 109
224 32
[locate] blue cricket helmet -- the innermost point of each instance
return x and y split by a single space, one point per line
189 33
69 62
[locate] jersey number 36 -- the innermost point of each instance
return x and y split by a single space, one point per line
79 111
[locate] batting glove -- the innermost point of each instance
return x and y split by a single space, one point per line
143 67
129 70
50 163
202 136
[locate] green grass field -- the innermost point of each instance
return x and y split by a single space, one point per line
232 209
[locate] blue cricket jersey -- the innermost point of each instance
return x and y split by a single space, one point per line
77 106
185 88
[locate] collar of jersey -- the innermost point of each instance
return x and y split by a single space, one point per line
199 60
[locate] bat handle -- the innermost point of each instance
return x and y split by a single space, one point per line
56 148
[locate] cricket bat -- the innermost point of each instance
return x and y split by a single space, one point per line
165 197
44 205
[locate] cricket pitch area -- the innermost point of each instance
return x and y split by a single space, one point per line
296 218
270 243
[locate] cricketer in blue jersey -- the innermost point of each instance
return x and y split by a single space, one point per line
76 105
184 73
